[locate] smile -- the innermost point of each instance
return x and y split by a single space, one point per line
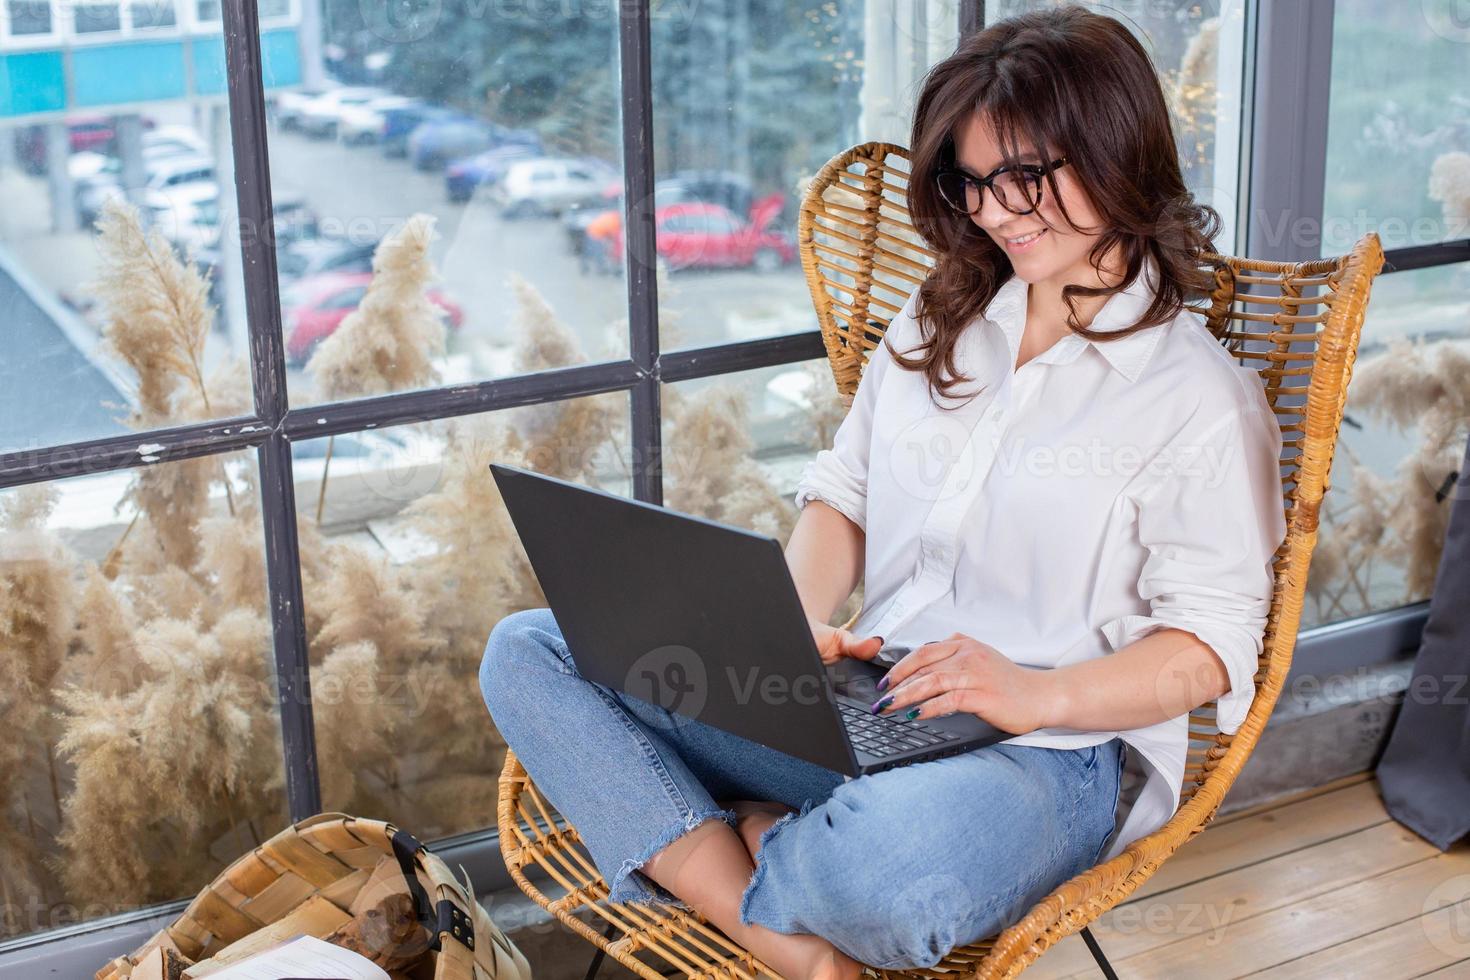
1025 241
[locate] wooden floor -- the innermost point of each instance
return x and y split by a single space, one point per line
1323 884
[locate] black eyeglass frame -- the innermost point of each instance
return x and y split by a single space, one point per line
987 183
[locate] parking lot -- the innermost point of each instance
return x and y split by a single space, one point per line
359 194
357 191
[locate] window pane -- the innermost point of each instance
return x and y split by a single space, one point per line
413 562
500 125
29 17
128 325
92 18
750 99
1399 128
1199 51
142 750
735 445
150 14
1408 416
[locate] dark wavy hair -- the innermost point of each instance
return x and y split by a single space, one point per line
1080 84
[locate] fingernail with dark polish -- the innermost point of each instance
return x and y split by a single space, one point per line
883 684
912 714
881 703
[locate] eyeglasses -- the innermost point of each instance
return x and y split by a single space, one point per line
1017 188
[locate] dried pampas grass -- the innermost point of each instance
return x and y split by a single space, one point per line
1416 387
158 314
153 668
180 758
569 438
388 342
157 321
38 598
710 470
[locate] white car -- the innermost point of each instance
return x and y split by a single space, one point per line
162 174
88 163
357 124
287 106
187 215
321 115
549 185
174 139
165 141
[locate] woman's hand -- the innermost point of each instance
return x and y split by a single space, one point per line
962 674
834 643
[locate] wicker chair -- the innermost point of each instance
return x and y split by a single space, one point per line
1297 322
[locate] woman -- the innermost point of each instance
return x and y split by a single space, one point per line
1065 495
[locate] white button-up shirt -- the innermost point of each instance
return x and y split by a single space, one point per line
1102 491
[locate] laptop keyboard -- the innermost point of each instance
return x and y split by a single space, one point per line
885 735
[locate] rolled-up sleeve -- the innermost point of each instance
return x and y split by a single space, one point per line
1211 523
839 475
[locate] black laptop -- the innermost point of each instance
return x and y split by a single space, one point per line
704 619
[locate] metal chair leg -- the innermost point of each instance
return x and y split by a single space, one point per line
596 963
1097 954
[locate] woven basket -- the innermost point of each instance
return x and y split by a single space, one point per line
332 856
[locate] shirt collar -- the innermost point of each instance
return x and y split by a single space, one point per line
1128 355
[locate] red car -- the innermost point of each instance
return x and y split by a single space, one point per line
695 234
84 132
312 308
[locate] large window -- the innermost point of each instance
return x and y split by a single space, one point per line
747 107
254 442
143 743
501 126
122 298
1398 162
1198 49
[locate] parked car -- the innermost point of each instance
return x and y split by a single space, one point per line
399 123
294 223
463 177
723 187
575 219
159 174
550 185
312 309
321 116
177 139
361 124
292 218
84 133
433 144
709 236
86 164
166 141
187 215
287 106
312 257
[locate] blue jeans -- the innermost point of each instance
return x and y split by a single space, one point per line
894 868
